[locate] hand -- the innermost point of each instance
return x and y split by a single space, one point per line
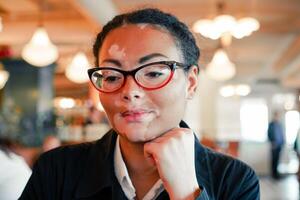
174 156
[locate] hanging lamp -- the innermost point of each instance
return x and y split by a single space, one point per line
40 51
226 24
4 75
76 71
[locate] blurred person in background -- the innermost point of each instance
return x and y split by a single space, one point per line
146 72
276 138
14 171
96 116
50 142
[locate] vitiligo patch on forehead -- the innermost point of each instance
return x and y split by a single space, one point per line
142 25
116 52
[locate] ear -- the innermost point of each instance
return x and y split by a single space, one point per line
192 78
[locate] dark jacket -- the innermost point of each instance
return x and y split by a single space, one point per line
86 171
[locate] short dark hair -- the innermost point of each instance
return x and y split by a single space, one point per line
182 35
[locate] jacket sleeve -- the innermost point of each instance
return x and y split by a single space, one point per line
249 188
241 183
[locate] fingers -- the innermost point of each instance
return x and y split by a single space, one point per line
173 155
168 144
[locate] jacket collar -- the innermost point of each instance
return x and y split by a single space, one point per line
98 172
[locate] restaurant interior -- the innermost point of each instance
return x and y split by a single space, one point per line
249 69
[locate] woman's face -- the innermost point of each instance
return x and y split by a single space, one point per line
136 114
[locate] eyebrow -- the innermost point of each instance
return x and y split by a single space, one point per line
150 56
116 62
141 60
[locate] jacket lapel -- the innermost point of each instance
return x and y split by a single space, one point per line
98 172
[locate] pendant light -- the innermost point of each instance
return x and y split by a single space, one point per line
3 76
220 68
40 51
235 90
76 71
1 25
226 24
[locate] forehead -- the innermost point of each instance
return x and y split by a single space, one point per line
137 40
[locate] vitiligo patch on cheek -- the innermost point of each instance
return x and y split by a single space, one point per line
117 52
121 126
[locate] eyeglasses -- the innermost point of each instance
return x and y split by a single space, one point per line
150 76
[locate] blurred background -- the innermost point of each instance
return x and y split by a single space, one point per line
250 69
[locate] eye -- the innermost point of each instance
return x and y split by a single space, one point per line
154 74
112 78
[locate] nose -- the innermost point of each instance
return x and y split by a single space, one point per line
131 91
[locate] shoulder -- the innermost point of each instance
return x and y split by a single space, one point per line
217 158
57 172
230 176
228 165
71 154
65 154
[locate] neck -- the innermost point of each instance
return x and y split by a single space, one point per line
133 155
142 173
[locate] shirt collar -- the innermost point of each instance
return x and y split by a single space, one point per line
122 173
123 177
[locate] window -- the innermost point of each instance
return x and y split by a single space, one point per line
292 121
254 119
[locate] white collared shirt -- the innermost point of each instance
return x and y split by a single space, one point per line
125 181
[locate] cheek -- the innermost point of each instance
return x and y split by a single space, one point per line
172 99
108 104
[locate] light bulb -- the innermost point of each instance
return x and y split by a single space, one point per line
221 68
40 51
242 90
1 26
3 78
64 103
4 75
224 24
245 27
77 70
227 91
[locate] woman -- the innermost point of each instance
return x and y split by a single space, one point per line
146 72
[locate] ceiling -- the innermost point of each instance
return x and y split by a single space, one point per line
270 55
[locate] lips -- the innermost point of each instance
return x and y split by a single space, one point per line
137 115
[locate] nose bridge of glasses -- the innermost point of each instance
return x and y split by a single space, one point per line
130 74
130 81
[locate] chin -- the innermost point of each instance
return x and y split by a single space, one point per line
137 133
